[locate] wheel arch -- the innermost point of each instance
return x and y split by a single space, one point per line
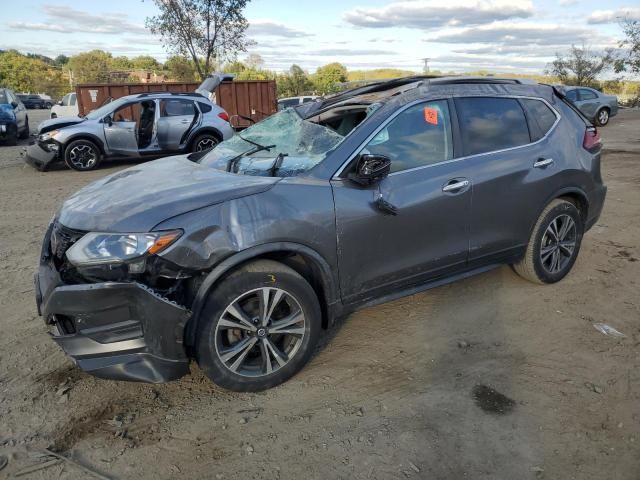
304 260
85 136
575 195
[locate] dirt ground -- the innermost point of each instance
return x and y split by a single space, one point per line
489 378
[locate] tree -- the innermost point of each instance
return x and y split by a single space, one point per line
145 62
30 74
294 83
580 66
328 77
121 63
208 31
254 61
180 69
61 60
93 66
631 45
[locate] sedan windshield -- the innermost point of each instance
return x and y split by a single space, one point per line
282 145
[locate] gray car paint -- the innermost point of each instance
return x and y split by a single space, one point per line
591 107
370 256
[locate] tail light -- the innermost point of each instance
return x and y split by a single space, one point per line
591 141
224 116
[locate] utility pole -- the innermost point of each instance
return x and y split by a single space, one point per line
425 68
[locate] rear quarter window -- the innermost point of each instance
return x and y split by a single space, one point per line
490 124
541 117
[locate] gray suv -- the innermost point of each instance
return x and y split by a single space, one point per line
240 256
145 125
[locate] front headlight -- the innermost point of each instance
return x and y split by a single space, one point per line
45 137
106 248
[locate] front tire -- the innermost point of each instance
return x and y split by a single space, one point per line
602 117
82 155
25 133
554 244
259 327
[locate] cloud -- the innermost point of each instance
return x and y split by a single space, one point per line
509 34
613 16
63 19
567 3
428 14
330 52
269 28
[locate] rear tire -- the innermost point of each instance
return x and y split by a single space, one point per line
554 244
255 354
204 141
602 117
82 155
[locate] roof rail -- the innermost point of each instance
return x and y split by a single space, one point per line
482 80
177 94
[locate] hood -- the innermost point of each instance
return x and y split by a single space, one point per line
209 84
55 123
139 198
6 113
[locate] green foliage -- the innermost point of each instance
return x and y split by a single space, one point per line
91 67
294 83
61 60
121 63
22 73
378 74
207 31
328 78
180 69
145 62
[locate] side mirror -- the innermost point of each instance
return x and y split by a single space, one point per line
14 104
370 169
59 103
108 120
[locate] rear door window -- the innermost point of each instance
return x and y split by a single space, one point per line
587 94
176 107
489 124
72 99
541 117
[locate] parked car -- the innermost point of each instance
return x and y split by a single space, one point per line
240 256
144 125
14 121
595 105
294 101
32 101
48 101
67 107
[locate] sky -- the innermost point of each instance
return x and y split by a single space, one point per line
456 35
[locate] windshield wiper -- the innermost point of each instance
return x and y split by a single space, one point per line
257 148
277 163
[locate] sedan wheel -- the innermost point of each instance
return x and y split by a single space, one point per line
603 117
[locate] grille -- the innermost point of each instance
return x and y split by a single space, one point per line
61 239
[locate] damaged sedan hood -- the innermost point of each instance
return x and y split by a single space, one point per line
139 198
56 123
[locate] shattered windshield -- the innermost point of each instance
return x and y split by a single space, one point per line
282 145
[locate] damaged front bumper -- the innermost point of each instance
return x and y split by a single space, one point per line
114 330
40 156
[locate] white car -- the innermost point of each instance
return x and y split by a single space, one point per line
294 101
67 107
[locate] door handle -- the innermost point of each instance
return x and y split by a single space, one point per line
185 121
457 185
543 162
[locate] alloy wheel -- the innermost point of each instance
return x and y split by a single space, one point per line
558 244
205 144
603 117
83 156
260 332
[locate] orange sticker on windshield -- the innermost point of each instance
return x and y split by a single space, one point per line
431 115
